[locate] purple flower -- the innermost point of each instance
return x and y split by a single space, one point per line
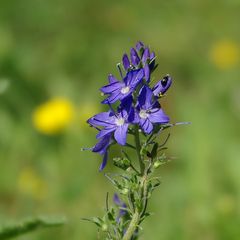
146 55
116 123
111 79
140 58
149 110
139 46
126 62
162 86
120 90
136 102
121 205
134 57
102 148
148 61
112 124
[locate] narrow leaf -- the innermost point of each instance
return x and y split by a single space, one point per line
14 230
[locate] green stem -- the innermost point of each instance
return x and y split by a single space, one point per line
136 218
137 215
144 194
138 149
132 226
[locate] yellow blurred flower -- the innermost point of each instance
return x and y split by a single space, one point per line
224 54
31 184
53 116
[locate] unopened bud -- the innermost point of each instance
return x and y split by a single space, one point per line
157 164
104 227
125 191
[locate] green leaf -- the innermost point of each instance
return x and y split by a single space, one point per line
111 216
13 230
154 150
144 151
146 214
123 163
130 146
96 220
113 181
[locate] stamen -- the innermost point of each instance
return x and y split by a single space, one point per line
143 114
125 90
120 121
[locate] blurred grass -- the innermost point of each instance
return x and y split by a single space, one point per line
66 49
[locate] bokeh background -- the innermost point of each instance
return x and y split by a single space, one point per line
55 55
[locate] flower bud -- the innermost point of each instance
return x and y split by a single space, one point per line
104 227
162 86
134 57
126 62
125 191
157 164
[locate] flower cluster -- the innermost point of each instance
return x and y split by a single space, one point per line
136 100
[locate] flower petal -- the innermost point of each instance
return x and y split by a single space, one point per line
158 116
131 115
162 86
152 55
134 57
145 98
134 77
146 55
112 87
146 125
113 98
147 72
116 199
139 46
126 62
121 134
126 103
102 145
104 162
112 79
105 131
102 119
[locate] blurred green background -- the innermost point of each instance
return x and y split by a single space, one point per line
55 55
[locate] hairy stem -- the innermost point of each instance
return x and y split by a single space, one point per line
136 217
144 194
132 226
138 149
